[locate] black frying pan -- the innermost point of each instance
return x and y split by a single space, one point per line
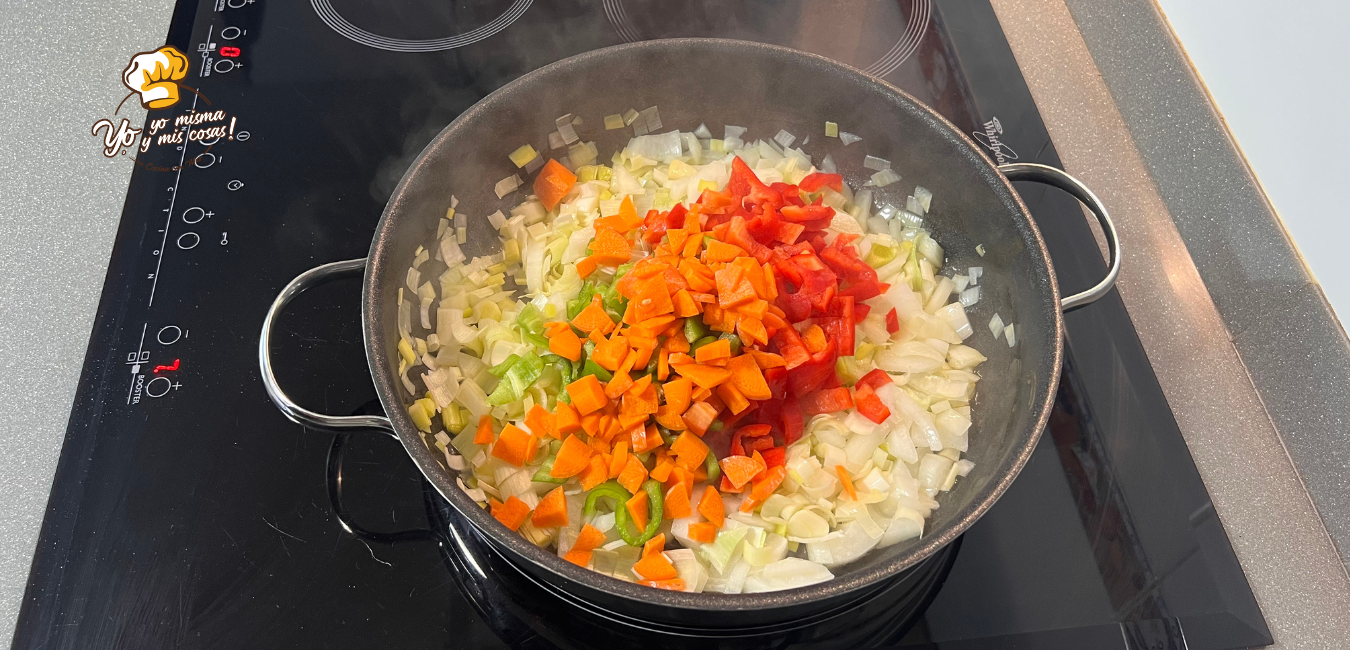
765 88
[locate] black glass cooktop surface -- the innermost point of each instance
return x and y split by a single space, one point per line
188 513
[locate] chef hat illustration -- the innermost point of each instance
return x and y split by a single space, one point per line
152 74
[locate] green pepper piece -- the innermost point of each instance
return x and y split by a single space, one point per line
714 469
653 365
593 368
735 342
655 503
694 329
608 489
693 347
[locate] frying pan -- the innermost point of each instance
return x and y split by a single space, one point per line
765 88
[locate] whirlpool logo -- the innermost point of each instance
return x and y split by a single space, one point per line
991 138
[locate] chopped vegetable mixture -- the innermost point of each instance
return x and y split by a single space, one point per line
706 366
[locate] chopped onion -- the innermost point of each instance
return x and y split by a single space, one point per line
925 198
955 316
876 164
884 177
1012 336
702 132
827 165
523 155
912 204
665 147
628 117
975 273
497 219
507 185
733 132
555 141
565 129
980 249
970 296
653 118
614 121
848 138
784 138
996 326
831 130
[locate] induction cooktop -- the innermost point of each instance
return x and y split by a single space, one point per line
187 512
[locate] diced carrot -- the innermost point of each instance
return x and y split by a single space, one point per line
847 481
704 532
541 422
642 356
616 386
768 482
514 446
766 360
593 317
566 420
589 539
684 304
703 375
703 298
770 283
609 248
748 504
722 252
586 266
678 392
573 458
587 395
611 353
699 417
670 418
680 358
552 510
619 459
740 470
727 488
674 584
596 473
691 246
656 567
553 183
663 364
747 378
654 545
512 513
689 450
752 272
814 338
484 433
719 349
733 398
662 470
633 474
637 509
628 213
676 343
711 506
755 309
653 298
676 504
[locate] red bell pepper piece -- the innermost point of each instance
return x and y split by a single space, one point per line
776 378
793 423
791 348
875 379
864 290
842 327
774 456
654 227
795 306
813 182
748 431
811 375
892 321
827 401
869 405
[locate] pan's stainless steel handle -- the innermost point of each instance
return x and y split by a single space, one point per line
297 413
1062 180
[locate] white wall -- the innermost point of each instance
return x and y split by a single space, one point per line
1278 72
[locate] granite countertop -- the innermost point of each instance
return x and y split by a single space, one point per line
1259 399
